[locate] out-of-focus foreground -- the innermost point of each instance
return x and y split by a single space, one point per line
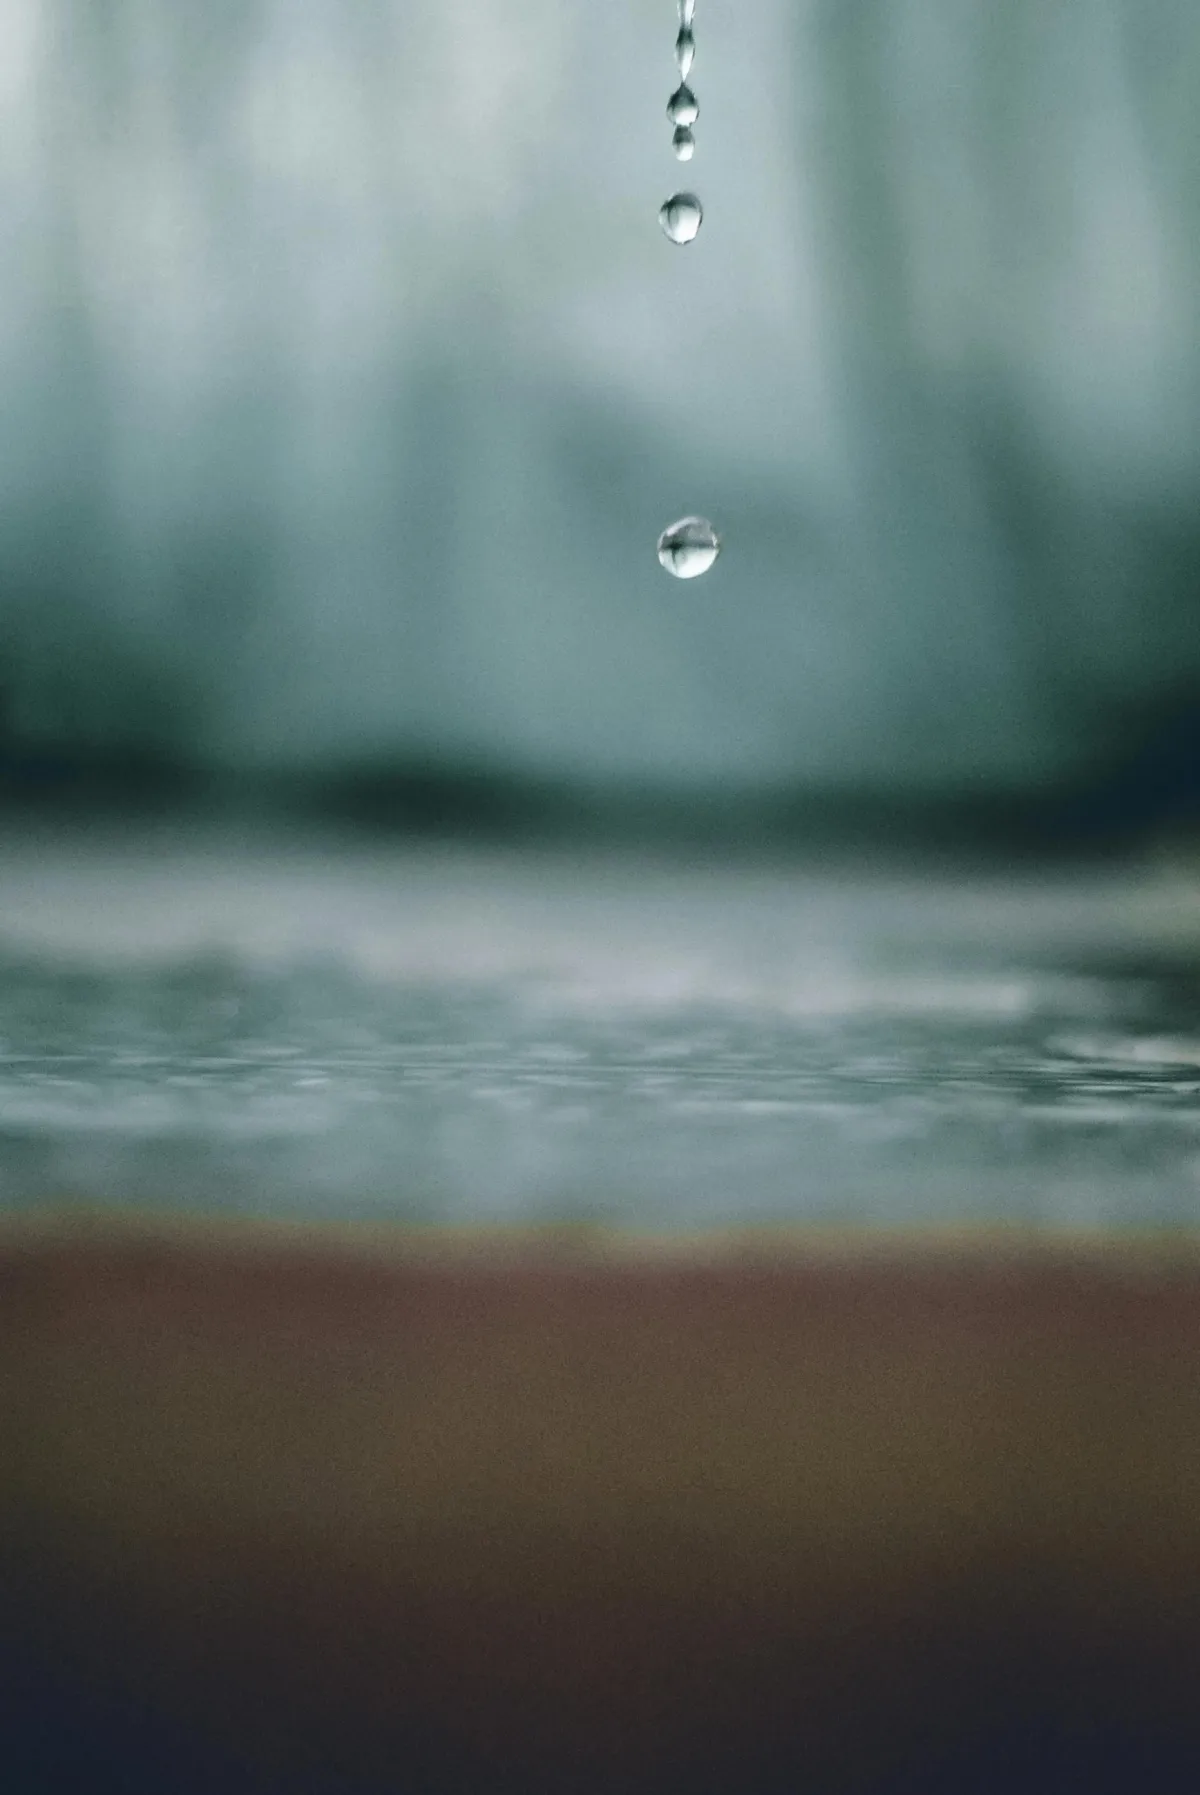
294 1515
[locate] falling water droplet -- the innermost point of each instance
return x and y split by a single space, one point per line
681 107
689 547
681 217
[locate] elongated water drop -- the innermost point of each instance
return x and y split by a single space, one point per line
681 107
688 548
684 143
681 217
685 51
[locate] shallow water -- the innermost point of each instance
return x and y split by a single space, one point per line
270 1026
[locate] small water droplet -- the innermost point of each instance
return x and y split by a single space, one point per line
685 50
687 11
681 107
688 548
684 143
681 217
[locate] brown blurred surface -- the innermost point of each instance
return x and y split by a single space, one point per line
550 1514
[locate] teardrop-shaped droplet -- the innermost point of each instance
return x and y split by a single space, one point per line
689 547
684 143
681 217
687 11
681 107
685 51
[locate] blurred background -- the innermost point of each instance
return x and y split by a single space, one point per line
348 382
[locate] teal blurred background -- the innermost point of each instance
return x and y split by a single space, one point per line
348 382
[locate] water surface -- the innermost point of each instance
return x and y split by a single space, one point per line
276 1026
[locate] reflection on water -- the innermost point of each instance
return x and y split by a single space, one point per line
453 1037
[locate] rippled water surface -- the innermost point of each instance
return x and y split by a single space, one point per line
471 1037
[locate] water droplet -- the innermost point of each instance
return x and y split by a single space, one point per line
681 217
687 11
689 547
684 143
685 50
681 107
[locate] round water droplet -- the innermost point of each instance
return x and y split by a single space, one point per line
685 50
689 547
687 11
684 143
681 217
681 107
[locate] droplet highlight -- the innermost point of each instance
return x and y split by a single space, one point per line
688 548
681 217
684 143
687 11
681 107
685 51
